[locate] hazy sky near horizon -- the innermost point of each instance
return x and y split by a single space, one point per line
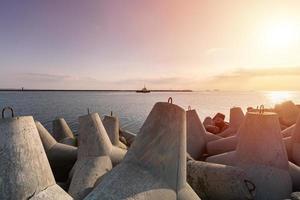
170 44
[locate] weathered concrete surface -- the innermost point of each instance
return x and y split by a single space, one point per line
130 137
288 131
196 141
295 140
112 127
288 113
197 136
289 147
61 157
25 172
211 137
62 132
52 193
96 155
260 141
212 129
294 171
155 165
215 181
235 121
293 149
222 145
208 121
262 154
295 196
87 172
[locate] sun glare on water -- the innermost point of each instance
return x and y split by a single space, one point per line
276 97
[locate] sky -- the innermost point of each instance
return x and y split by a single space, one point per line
170 44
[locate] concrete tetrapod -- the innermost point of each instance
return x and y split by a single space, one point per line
61 157
288 113
112 127
262 154
155 165
222 145
62 132
294 171
25 172
129 137
229 144
295 196
288 131
215 181
235 121
295 140
196 135
96 155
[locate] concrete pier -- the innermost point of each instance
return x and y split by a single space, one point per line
155 165
25 172
61 157
262 154
62 132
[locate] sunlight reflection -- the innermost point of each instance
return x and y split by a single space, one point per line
276 97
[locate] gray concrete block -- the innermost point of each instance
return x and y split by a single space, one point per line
25 172
236 119
155 165
261 153
61 157
62 132
215 181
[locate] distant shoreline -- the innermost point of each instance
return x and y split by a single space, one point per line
54 90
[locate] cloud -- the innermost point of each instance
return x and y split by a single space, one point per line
42 77
283 78
250 73
54 81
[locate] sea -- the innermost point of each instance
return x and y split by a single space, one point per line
132 108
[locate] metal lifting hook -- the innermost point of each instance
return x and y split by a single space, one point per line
7 108
261 109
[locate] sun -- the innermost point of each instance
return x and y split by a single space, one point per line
280 34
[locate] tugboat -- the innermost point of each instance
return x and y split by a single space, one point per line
144 90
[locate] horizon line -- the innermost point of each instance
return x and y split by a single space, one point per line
85 90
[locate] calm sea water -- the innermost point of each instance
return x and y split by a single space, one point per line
132 108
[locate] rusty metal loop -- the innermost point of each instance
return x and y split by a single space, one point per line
189 108
8 108
251 186
261 109
170 100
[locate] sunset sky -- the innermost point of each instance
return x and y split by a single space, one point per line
165 44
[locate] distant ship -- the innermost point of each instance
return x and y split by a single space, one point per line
144 90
